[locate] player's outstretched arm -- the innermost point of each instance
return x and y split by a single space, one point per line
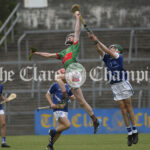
99 50
101 47
97 46
106 50
48 55
77 26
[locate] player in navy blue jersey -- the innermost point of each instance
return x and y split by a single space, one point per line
2 120
60 110
122 89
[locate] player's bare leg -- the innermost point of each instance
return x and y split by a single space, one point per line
126 109
130 110
81 100
124 112
131 115
63 124
3 126
3 131
60 79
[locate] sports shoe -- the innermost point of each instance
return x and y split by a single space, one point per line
96 125
130 140
49 147
135 138
5 145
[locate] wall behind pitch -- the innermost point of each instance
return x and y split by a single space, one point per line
97 13
112 121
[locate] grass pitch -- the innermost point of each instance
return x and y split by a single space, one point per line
79 142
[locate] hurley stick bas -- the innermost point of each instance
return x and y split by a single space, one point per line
76 8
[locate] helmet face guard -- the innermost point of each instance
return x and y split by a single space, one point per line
67 42
117 47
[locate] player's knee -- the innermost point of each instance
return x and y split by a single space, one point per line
81 101
128 105
82 104
124 111
68 125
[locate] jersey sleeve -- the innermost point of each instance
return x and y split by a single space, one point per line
75 43
120 58
76 46
60 54
52 89
105 57
1 89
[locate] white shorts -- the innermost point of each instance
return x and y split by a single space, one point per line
2 112
60 114
122 90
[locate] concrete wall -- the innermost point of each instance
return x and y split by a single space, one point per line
97 13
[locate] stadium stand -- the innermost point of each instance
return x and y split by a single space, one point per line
20 112
30 95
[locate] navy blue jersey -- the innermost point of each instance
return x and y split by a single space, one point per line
1 90
115 71
58 95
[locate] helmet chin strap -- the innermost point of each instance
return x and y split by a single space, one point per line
68 43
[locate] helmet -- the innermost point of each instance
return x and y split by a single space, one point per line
69 43
118 47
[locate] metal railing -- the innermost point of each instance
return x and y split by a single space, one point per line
132 40
95 89
98 89
140 98
8 27
149 93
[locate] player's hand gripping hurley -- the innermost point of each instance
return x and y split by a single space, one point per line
10 98
76 8
33 50
59 106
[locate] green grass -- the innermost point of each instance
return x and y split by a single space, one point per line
79 142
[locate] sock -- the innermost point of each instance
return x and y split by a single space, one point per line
134 129
129 130
56 136
94 119
54 131
51 144
3 140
